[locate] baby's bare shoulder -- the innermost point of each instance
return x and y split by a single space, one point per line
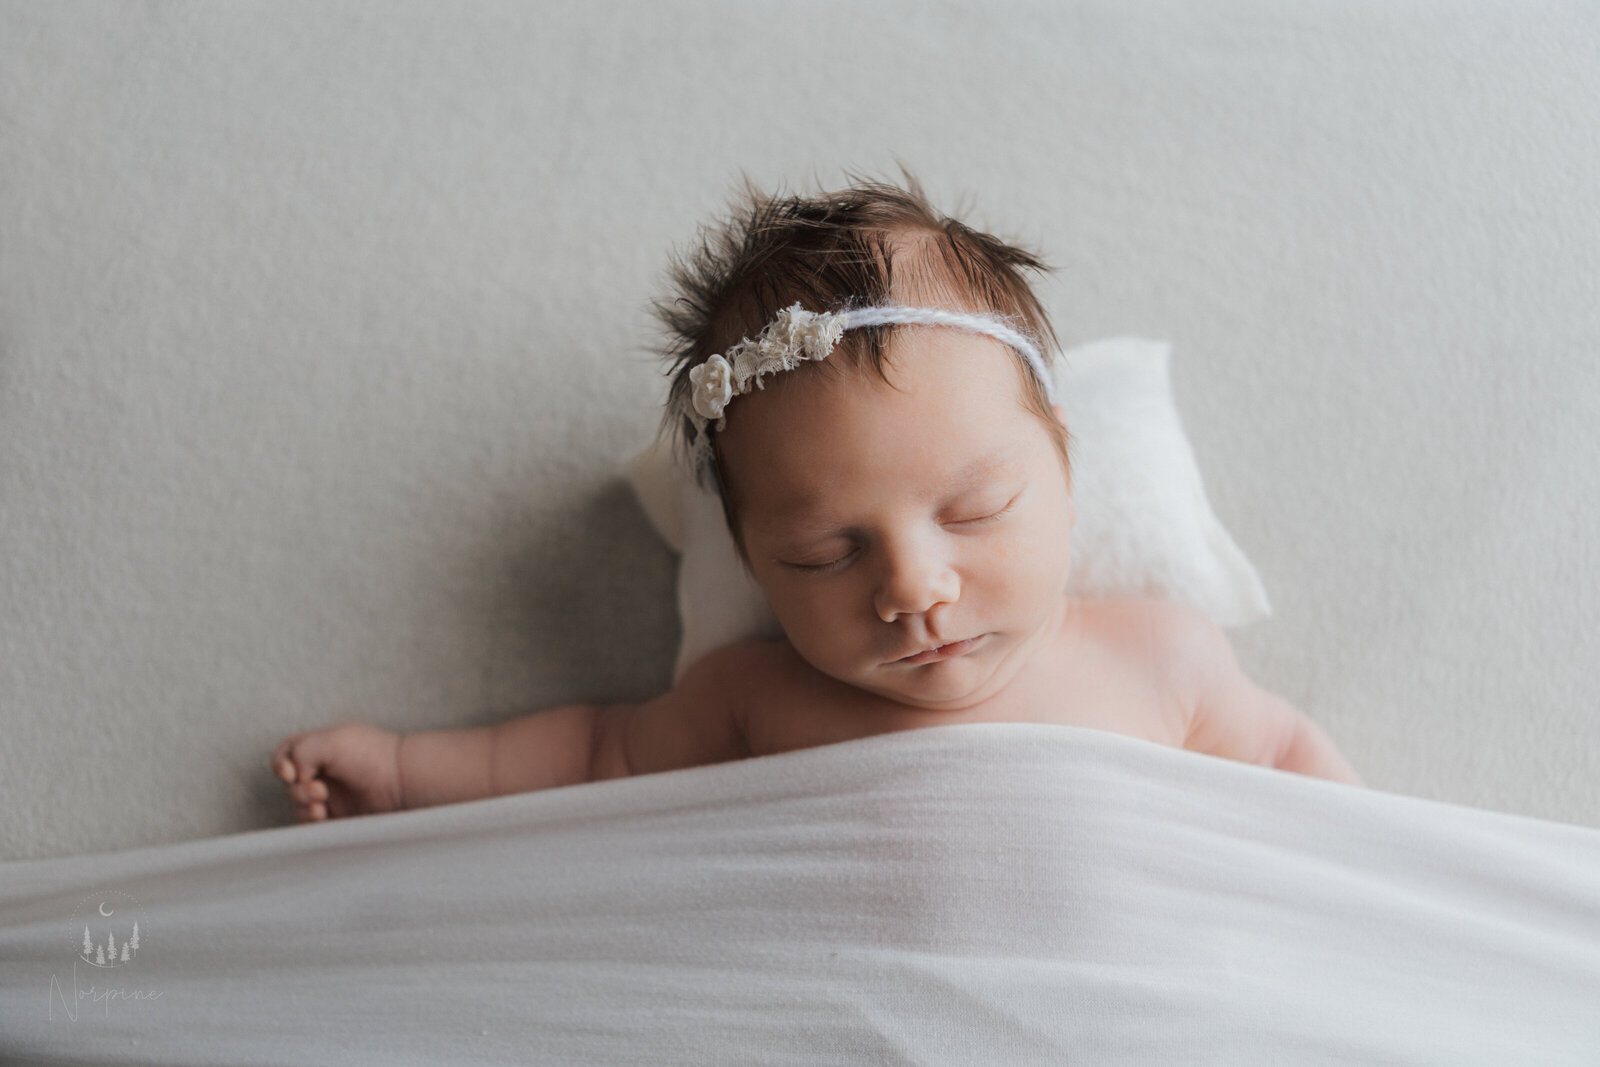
749 664
1172 640
704 717
785 703
746 676
1144 621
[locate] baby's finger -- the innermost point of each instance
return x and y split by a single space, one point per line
282 766
311 752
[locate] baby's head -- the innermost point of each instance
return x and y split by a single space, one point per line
869 245
866 381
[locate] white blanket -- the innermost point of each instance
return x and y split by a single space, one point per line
969 894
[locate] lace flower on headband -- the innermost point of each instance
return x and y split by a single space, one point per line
711 387
795 335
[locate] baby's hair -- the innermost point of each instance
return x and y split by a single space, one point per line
833 251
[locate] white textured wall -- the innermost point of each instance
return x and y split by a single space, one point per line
323 331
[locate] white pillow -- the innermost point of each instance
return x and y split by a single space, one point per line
1145 527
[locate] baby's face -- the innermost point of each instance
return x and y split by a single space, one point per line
912 539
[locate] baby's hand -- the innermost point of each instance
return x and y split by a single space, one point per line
341 771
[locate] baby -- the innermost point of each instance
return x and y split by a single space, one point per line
865 382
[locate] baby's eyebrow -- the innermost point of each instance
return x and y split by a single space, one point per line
980 472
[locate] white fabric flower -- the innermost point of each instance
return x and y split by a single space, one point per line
711 387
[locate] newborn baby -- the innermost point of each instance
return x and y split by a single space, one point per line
865 382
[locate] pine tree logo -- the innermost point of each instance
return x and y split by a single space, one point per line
108 927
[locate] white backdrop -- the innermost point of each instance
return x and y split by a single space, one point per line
323 337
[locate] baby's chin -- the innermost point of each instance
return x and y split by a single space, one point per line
910 687
947 686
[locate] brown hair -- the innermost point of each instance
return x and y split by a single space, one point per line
830 252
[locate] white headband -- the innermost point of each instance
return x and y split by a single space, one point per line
795 335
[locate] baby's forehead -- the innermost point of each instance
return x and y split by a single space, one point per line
790 469
944 412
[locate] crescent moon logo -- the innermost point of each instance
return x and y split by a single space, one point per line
103 941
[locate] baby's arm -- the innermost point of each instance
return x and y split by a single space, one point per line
697 722
554 747
1232 717
358 769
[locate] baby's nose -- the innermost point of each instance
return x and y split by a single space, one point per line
914 582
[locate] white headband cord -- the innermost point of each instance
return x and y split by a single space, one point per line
795 335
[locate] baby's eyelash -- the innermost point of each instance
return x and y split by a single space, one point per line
992 516
824 568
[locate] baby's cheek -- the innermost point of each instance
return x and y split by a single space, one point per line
1027 567
808 621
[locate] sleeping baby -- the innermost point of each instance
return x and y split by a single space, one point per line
866 384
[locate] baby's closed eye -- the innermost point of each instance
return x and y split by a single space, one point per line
835 552
829 555
983 510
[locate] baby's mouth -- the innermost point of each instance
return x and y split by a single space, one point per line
933 655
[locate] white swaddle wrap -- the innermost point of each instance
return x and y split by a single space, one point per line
998 893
